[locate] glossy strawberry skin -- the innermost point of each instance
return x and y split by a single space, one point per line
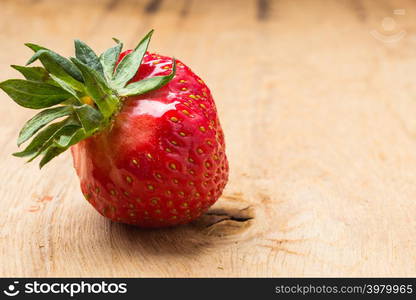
162 162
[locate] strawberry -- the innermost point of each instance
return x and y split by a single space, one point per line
143 130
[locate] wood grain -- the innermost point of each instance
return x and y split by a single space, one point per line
319 117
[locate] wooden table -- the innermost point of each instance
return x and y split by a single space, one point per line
318 103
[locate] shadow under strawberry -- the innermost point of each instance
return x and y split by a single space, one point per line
215 227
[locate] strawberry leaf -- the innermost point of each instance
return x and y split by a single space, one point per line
148 84
108 60
39 140
69 135
70 101
35 47
67 87
32 94
128 67
57 67
98 89
89 117
60 60
67 138
33 73
85 54
65 126
40 120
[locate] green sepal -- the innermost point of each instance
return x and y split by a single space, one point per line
60 60
84 122
108 60
129 65
34 73
67 87
33 94
86 55
98 89
89 118
60 68
35 47
66 126
148 84
68 138
39 140
70 101
40 120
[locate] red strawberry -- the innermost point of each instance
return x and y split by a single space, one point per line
147 143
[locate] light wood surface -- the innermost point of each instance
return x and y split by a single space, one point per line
318 103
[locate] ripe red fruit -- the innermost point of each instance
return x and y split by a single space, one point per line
163 161
154 159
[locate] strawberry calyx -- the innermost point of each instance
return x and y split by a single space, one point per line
86 91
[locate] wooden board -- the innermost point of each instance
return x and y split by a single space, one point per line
318 103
